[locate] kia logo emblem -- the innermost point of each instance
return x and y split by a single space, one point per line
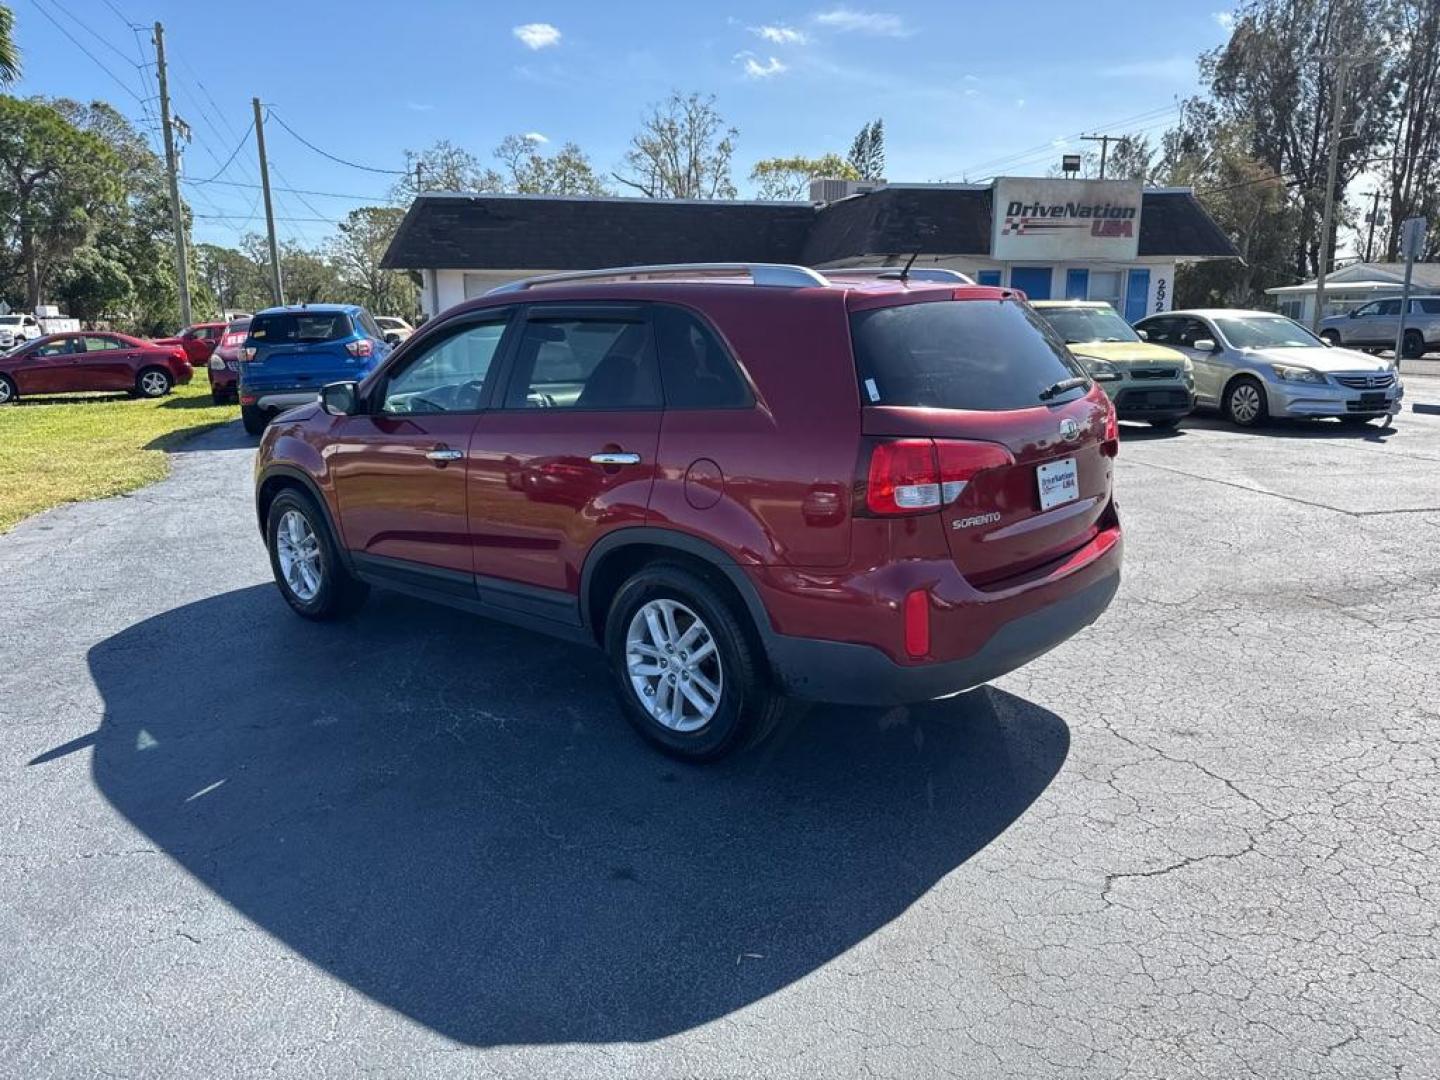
1069 430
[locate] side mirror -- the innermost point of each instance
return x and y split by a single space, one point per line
1142 335
340 398
1204 344
1355 314
392 338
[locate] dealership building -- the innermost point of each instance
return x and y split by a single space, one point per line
1110 240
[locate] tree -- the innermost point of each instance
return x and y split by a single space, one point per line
357 250
565 172
54 181
682 151
94 285
443 167
789 178
233 279
1412 174
9 53
867 152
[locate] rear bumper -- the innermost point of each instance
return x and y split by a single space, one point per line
278 399
1154 402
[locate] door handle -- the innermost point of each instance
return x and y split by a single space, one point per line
615 458
442 454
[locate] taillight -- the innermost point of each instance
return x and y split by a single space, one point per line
1111 446
361 348
177 354
230 341
247 353
911 476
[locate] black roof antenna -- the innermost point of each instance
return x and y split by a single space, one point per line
905 273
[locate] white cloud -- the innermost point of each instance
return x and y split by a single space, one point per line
779 35
971 78
758 67
848 20
535 137
1224 19
537 35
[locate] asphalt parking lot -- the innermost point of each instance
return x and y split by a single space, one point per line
1198 840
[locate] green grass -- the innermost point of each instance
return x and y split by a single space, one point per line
67 449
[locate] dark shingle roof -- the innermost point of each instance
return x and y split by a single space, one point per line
476 232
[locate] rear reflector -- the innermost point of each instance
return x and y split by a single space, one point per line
917 623
911 476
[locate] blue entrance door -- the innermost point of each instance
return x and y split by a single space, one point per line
1033 281
1137 295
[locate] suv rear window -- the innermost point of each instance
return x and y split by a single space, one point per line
295 328
957 354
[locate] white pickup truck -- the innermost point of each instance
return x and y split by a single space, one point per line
18 329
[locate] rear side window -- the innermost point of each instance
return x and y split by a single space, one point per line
957 354
298 328
1427 307
695 368
589 363
369 325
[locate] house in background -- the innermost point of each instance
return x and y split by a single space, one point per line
1106 240
1351 286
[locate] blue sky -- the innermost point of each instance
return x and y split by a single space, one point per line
966 89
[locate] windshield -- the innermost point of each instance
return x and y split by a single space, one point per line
1266 332
1081 324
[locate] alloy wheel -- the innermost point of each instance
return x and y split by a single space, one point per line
674 665
298 549
153 384
1244 403
4 391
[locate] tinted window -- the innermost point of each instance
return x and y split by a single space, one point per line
1426 307
1390 307
448 376
957 354
99 344
1368 310
1081 324
584 364
296 328
369 325
58 347
1161 331
695 369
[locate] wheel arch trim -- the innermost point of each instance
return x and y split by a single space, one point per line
311 488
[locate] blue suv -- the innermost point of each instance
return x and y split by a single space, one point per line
291 352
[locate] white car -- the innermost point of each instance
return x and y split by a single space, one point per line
1254 364
396 329
18 329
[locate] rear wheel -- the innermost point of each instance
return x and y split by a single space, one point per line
689 678
1331 336
1165 422
1245 403
254 419
153 383
306 561
7 391
1414 346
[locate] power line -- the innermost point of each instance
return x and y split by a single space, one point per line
241 217
238 147
323 153
76 42
377 199
90 30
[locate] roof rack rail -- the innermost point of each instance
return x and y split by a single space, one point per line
895 273
781 275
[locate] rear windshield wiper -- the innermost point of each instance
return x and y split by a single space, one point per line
1073 383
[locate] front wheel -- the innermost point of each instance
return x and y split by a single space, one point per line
1330 336
1245 403
153 383
1414 346
1165 423
689 678
306 561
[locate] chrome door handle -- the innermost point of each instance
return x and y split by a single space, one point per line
615 458
443 454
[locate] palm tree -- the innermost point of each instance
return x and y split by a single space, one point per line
9 54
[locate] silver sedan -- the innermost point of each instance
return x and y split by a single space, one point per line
1254 364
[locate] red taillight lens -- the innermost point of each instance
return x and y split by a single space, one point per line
231 341
917 623
911 476
177 354
361 348
247 354
1111 446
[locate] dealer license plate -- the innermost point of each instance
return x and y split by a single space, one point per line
1059 483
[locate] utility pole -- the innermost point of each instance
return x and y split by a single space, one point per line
277 289
1337 110
177 215
1412 241
1104 141
1373 217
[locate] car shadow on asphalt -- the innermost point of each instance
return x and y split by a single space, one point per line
1280 428
210 435
452 817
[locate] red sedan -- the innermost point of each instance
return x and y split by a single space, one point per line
67 363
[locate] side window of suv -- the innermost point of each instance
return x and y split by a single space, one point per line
696 371
586 362
449 375
1390 307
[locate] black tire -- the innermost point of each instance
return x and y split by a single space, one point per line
8 393
254 419
1414 345
153 382
748 708
339 593
1245 418
1331 336
1165 423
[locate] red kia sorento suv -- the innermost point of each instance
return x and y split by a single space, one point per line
745 483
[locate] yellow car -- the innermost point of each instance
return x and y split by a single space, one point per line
1146 382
